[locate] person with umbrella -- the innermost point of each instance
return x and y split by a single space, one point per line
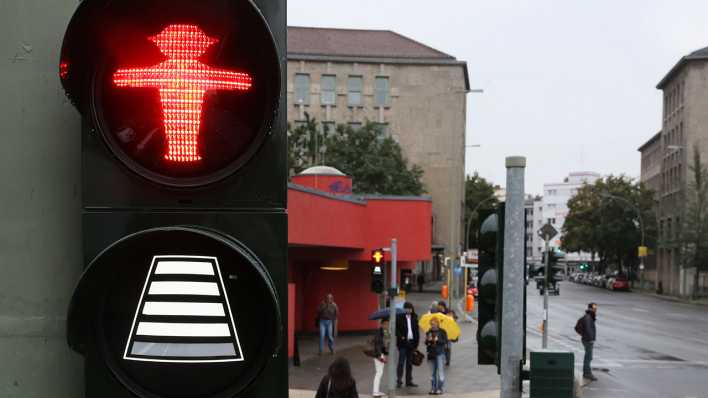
380 343
436 340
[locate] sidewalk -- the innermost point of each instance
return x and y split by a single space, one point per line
483 394
651 292
464 378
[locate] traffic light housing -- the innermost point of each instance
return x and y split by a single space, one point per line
491 256
377 271
184 189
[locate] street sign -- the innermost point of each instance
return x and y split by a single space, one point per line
176 304
547 232
642 251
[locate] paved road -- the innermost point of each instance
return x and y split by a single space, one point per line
646 347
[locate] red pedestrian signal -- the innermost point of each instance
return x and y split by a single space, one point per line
182 81
182 93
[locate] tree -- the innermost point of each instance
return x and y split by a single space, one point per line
693 237
608 218
479 195
374 160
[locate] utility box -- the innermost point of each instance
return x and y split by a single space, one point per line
552 374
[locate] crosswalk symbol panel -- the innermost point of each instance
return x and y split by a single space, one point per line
183 314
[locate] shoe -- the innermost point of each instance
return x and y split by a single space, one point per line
432 392
590 377
411 384
399 384
438 392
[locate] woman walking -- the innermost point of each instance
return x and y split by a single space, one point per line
436 341
338 382
381 340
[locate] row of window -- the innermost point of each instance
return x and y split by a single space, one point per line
328 127
673 98
328 90
669 230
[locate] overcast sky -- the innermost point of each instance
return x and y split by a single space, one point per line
570 84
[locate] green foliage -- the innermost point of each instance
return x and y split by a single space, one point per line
479 195
373 160
606 218
693 237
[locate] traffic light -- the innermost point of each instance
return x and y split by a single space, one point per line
377 271
184 188
491 255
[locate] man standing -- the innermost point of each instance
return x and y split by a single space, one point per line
585 327
327 315
407 336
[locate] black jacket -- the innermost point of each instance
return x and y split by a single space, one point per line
380 347
402 330
325 387
588 326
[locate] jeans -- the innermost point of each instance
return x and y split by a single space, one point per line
379 367
437 370
326 330
587 369
405 353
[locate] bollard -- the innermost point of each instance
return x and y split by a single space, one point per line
444 292
470 303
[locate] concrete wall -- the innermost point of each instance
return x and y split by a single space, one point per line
40 233
426 116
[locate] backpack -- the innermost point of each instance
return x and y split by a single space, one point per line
579 329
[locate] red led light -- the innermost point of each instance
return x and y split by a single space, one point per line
182 81
63 69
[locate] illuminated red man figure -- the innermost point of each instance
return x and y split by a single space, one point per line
182 80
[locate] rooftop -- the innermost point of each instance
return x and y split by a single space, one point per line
701 54
652 140
358 43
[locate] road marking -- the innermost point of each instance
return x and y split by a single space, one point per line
640 309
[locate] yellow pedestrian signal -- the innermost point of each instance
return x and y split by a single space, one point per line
642 251
377 255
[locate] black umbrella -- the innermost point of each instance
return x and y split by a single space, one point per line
384 313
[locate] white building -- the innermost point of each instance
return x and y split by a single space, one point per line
553 208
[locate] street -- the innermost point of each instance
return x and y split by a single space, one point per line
646 346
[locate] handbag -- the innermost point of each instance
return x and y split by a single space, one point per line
417 358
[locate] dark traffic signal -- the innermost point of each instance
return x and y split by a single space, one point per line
184 196
491 255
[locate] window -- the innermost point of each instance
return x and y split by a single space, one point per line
355 85
552 192
328 86
381 91
383 129
355 125
551 221
302 88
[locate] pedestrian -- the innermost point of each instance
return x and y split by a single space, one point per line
407 338
442 308
420 281
381 339
433 307
327 314
585 327
338 382
436 341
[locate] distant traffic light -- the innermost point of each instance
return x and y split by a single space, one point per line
491 251
377 271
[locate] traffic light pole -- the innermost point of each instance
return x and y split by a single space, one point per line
545 297
392 352
513 279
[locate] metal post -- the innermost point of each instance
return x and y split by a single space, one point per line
546 271
392 351
513 283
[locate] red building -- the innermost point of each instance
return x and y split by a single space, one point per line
331 233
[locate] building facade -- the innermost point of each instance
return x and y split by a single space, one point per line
415 93
684 127
651 176
552 209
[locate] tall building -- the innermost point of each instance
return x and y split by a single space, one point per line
553 208
416 93
684 126
651 176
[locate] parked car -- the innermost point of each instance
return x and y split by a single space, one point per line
620 283
610 280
